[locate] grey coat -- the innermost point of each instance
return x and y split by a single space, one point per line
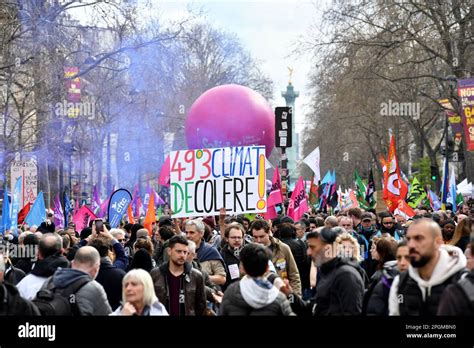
91 298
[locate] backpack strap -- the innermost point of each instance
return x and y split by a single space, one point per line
468 287
72 290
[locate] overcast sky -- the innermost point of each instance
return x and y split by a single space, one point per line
268 30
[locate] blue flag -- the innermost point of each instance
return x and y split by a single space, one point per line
452 191
327 178
6 220
118 205
444 184
67 209
16 206
37 213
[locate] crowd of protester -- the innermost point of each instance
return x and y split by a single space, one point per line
353 262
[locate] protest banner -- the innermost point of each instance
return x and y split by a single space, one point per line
205 180
118 204
466 96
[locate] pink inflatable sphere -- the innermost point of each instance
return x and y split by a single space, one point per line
230 115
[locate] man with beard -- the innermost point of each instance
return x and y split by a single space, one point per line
448 227
178 285
234 235
340 288
388 226
433 267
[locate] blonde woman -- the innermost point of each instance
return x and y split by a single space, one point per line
348 247
138 295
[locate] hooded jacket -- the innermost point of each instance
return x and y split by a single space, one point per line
339 291
376 300
412 295
156 309
254 296
91 298
42 269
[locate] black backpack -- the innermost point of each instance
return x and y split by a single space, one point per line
468 287
60 302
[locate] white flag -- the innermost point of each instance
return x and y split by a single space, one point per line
268 165
312 160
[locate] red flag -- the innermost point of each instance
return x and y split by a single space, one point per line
150 217
404 209
395 189
82 218
353 198
275 196
313 192
298 201
164 179
23 213
138 207
130 214
271 213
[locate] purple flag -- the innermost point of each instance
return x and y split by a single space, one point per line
58 212
95 204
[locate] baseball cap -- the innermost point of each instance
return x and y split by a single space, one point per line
366 216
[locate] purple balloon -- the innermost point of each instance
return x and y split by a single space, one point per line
230 115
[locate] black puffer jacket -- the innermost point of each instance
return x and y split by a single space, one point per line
339 291
376 297
11 303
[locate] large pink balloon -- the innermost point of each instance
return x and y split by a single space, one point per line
230 115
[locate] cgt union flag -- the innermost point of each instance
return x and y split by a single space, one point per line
394 188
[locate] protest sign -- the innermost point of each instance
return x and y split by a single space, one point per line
205 180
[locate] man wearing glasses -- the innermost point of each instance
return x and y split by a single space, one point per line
234 236
388 227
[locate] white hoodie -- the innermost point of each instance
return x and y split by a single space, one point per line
257 292
451 260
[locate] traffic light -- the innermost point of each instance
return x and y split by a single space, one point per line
434 173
